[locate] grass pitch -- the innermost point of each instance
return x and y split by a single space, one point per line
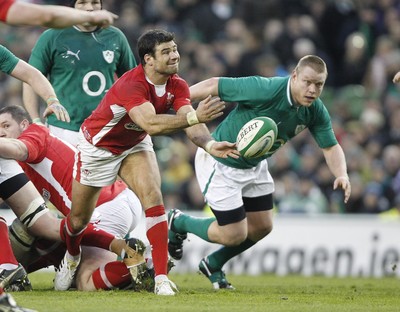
253 293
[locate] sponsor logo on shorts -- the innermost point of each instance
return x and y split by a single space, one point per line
86 172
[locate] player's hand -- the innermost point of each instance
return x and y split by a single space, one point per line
396 77
223 149
57 109
344 183
209 109
103 18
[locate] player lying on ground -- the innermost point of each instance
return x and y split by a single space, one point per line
48 162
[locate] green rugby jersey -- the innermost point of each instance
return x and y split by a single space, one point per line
81 66
8 60
259 96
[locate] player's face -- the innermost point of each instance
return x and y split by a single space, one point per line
306 85
9 127
88 5
166 58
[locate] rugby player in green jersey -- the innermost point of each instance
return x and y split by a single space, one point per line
239 191
81 63
11 176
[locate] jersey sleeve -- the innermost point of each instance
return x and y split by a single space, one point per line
8 60
321 129
182 94
35 139
127 60
245 89
4 7
41 56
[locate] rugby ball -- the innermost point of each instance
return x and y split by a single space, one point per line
256 137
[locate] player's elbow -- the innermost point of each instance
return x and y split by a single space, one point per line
48 19
153 128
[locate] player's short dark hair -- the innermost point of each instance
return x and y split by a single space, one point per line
72 3
18 113
148 42
313 61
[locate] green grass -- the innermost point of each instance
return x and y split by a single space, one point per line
252 294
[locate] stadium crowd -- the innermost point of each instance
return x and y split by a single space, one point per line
358 39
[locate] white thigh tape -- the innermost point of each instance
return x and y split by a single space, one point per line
36 209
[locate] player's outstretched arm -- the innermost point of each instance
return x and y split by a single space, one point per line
55 16
145 116
31 102
39 83
13 149
201 90
336 162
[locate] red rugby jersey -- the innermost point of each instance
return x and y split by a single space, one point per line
110 127
50 165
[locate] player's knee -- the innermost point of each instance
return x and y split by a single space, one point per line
260 232
78 223
84 286
21 241
234 239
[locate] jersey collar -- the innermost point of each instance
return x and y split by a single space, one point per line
288 92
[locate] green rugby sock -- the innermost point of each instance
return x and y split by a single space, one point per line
217 259
197 226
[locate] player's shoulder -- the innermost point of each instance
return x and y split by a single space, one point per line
53 34
112 30
133 78
176 80
38 130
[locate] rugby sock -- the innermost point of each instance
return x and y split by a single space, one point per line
198 226
71 239
96 237
157 234
217 259
92 236
6 254
111 275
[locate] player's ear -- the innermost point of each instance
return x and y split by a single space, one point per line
148 59
25 124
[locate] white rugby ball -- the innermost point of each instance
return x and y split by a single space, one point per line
256 137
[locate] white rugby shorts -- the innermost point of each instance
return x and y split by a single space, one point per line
223 187
8 169
98 166
64 134
119 216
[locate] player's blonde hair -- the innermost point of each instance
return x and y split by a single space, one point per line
313 61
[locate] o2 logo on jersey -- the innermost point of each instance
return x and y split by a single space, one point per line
132 126
101 81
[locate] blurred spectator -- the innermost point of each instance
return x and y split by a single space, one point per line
303 197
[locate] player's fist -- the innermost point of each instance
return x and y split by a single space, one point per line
396 77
